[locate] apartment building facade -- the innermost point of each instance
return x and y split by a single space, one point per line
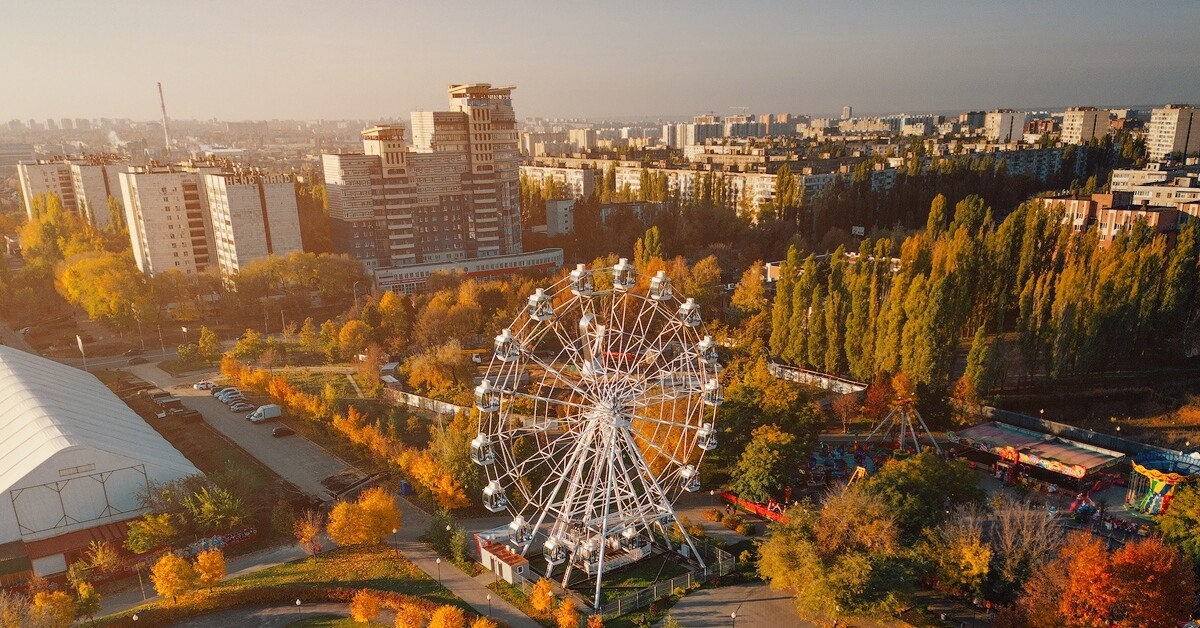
1173 129
1081 125
253 216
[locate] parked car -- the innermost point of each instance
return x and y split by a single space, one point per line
241 406
203 384
228 392
232 399
133 361
132 351
282 431
216 390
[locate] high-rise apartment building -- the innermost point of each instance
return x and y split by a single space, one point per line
847 112
83 185
452 196
253 216
168 225
1004 126
1173 129
1084 124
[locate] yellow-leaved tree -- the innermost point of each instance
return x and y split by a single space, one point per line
53 609
370 519
410 615
307 528
172 576
484 622
364 608
543 596
447 616
595 621
567 616
87 600
210 567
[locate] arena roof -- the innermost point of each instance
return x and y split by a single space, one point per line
47 407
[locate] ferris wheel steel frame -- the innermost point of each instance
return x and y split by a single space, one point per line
597 408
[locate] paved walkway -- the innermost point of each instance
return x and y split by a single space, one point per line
272 616
470 590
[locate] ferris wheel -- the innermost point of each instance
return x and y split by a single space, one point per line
597 408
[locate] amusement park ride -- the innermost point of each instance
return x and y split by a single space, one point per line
905 419
596 410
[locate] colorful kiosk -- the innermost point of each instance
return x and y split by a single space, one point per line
1153 479
1022 454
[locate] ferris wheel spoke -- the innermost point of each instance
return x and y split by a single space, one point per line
657 449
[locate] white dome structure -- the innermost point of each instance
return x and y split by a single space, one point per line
73 458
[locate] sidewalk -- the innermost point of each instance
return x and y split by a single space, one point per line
416 522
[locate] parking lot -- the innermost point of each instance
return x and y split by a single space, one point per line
294 457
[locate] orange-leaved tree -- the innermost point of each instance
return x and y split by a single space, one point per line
172 576
210 567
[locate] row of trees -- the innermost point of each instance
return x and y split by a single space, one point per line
1076 307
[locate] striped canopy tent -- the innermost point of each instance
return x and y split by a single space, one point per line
1154 477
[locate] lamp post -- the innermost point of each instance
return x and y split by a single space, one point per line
356 295
297 609
137 316
712 493
489 599
161 345
138 567
733 618
439 564
134 617
185 336
395 546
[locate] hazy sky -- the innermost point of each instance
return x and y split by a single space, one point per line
348 59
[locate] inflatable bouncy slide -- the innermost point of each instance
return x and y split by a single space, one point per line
1154 477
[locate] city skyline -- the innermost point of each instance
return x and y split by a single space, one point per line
673 59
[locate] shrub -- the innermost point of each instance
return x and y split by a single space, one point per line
715 514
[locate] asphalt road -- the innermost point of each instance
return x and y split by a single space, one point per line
301 461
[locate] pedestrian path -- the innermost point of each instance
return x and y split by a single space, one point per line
473 591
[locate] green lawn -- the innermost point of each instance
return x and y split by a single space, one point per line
633 578
374 567
333 622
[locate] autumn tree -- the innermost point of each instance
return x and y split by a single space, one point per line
307 527
52 609
846 556
410 615
370 519
210 568
749 297
102 556
1180 524
150 531
249 347
1153 585
1023 539
595 621
215 509
172 576
484 622
87 601
208 345
768 465
917 490
542 598
448 616
365 606
567 616
958 552
353 337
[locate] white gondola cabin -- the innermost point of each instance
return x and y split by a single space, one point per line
582 282
624 275
540 307
660 286
691 478
507 346
689 313
487 398
482 452
493 497
713 395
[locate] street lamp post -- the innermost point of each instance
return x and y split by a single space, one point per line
356 295
134 617
733 618
489 599
138 567
439 564
395 545
161 345
297 609
185 335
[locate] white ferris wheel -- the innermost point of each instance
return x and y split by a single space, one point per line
597 408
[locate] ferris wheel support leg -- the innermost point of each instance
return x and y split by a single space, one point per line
662 497
612 448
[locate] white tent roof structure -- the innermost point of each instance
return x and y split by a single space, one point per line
48 409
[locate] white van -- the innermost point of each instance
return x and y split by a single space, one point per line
265 412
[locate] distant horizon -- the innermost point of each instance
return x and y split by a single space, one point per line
374 59
630 118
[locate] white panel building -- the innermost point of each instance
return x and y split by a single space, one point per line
168 222
253 216
73 459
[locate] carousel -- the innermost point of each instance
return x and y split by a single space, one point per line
1153 479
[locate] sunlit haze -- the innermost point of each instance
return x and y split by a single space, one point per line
301 60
